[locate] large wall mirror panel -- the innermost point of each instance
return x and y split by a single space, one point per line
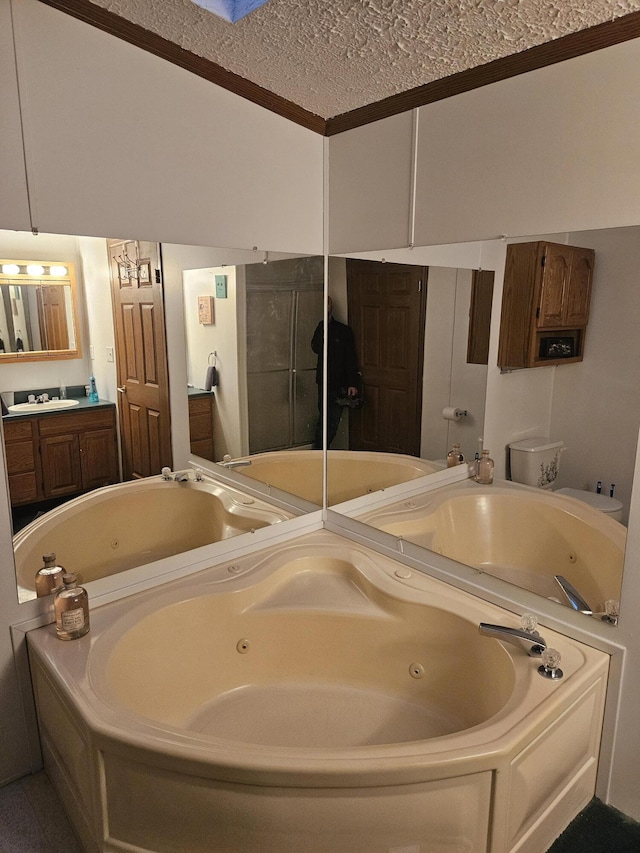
592 407
241 375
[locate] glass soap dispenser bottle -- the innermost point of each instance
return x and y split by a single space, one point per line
484 469
71 607
49 577
454 457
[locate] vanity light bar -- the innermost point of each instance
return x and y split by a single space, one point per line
34 269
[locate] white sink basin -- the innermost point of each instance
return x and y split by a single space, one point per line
49 406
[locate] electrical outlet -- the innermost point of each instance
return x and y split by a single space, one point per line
92 352
109 353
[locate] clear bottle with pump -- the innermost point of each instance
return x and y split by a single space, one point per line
93 391
454 457
71 607
484 472
49 577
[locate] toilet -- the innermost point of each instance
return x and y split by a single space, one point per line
536 461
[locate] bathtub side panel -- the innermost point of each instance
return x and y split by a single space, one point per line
68 756
545 785
157 809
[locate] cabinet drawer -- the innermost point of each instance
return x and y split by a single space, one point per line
23 488
16 430
76 422
20 457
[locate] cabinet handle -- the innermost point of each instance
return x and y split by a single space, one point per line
122 389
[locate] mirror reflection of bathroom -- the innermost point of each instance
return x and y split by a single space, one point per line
137 305
582 416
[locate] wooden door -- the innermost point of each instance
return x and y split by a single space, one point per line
52 317
387 314
143 385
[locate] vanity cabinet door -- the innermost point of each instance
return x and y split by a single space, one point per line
201 426
61 473
98 460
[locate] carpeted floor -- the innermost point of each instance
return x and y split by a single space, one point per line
599 829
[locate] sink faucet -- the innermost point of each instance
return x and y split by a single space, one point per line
575 599
228 462
531 642
180 477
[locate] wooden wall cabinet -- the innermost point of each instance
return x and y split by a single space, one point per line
201 426
59 455
545 304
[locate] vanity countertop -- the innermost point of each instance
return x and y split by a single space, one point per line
199 392
83 405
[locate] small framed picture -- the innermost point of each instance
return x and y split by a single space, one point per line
205 310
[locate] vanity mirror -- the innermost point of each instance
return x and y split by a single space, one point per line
38 311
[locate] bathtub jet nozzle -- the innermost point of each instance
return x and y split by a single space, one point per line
533 644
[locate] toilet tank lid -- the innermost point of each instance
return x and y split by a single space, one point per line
602 502
531 445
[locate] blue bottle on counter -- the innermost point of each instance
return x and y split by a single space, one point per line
93 391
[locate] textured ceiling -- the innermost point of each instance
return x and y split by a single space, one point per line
332 56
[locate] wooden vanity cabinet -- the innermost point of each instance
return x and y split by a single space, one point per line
201 426
545 304
60 455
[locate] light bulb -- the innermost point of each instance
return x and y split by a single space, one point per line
10 269
35 269
58 270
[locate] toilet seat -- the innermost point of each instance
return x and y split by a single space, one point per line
603 503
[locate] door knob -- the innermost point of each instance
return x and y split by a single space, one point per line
122 389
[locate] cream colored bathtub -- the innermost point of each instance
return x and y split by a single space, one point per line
319 697
130 524
350 473
520 534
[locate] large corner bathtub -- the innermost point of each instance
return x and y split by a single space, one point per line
520 534
314 696
119 527
350 473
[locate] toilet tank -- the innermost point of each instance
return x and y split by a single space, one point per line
535 461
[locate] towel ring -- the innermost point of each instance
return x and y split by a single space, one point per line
213 355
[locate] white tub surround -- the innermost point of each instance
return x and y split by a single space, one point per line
314 695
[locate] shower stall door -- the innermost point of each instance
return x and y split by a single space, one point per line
284 306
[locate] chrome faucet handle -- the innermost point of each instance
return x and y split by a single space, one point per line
533 644
550 664
576 601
